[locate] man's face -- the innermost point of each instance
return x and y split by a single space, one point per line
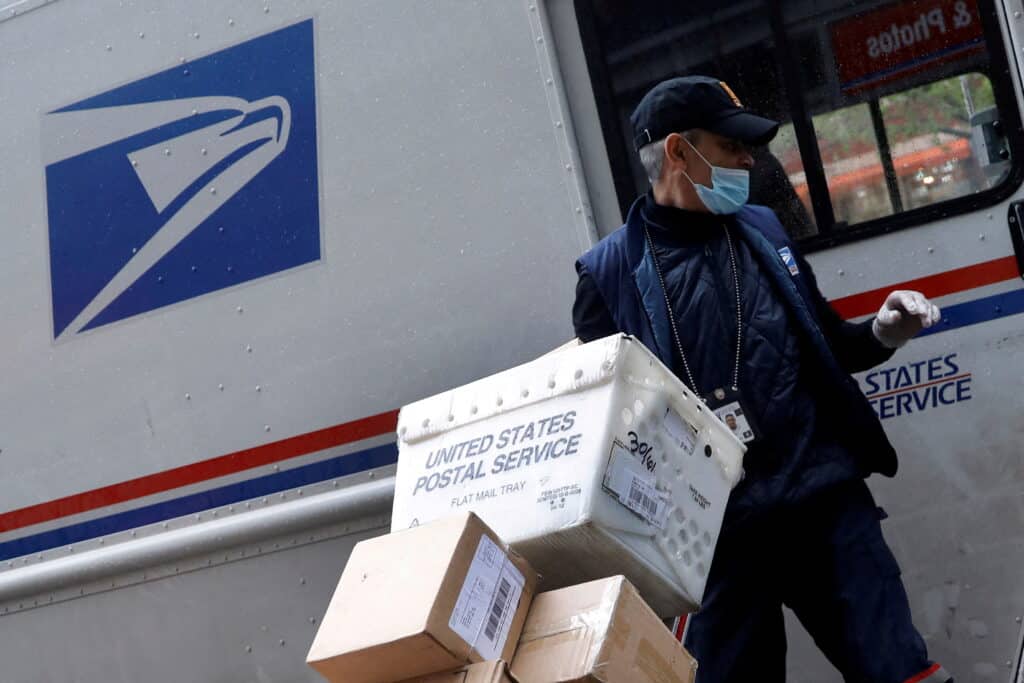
730 420
718 151
684 167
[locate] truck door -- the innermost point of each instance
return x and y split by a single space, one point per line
898 167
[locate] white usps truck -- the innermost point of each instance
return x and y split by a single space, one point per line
238 236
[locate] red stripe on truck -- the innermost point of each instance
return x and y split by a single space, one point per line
924 674
264 454
932 286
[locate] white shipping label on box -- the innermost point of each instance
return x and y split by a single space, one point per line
487 601
682 433
634 486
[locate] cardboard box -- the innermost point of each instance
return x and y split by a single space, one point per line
591 461
495 671
424 600
598 631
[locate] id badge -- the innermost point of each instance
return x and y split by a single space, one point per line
727 405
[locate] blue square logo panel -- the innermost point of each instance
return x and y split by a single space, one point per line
197 178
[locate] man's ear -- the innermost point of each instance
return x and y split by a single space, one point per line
675 147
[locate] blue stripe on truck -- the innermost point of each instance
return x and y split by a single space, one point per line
351 463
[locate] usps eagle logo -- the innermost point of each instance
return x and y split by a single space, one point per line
192 180
789 260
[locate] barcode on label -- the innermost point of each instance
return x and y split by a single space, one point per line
641 502
487 603
498 607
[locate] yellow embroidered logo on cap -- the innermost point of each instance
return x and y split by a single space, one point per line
730 93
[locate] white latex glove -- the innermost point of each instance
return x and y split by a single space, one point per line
904 314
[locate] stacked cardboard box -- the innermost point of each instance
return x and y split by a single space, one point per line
448 602
422 601
596 632
600 631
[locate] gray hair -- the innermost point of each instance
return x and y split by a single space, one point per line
652 155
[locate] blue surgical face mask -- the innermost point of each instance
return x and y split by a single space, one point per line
729 191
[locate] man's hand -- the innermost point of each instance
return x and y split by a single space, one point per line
904 314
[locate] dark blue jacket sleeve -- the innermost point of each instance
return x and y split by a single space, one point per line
590 316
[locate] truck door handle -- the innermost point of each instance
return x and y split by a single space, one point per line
1016 222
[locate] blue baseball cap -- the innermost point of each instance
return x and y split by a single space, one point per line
688 102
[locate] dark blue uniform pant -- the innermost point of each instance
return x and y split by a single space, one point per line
828 562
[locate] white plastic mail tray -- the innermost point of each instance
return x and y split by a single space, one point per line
591 461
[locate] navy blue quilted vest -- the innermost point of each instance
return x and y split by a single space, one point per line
622 267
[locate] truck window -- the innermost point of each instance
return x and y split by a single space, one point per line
902 151
893 113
